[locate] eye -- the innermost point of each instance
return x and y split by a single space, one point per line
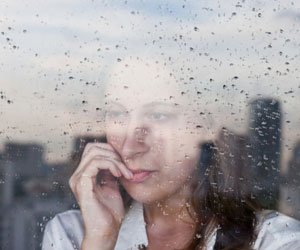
115 114
157 116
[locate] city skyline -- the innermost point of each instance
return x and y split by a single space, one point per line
56 58
34 191
51 93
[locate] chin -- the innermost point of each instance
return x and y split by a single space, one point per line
144 195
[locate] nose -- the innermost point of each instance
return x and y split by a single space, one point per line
135 141
140 134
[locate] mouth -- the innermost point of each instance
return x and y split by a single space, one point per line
140 176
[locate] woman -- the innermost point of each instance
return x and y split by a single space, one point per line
148 187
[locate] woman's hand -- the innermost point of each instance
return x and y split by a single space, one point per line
96 189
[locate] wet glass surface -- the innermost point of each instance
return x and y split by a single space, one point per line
224 73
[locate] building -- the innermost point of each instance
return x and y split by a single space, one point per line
236 159
265 138
290 198
25 221
293 176
32 192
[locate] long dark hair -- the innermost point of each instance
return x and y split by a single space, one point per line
220 201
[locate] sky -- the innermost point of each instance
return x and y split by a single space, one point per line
54 57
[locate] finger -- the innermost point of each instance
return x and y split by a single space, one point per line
125 171
87 187
85 183
97 164
94 166
95 151
100 145
87 161
92 170
121 167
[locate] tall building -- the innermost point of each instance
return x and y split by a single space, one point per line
265 137
32 191
24 223
236 153
293 176
290 198
2 182
28 158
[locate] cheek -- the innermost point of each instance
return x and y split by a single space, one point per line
115 134
115 140
185 155
166 146
176 152
184 144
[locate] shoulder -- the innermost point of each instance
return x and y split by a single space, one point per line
64 231
277 231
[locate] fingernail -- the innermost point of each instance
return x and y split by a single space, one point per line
130 174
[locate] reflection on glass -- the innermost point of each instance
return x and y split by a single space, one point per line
189 108
165 179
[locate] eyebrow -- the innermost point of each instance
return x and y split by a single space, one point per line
153 104
148 105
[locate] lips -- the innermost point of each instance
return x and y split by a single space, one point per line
140 176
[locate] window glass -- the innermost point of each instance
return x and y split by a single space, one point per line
223 74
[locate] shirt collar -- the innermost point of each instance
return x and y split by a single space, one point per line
133 229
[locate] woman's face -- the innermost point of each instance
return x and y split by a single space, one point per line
152 124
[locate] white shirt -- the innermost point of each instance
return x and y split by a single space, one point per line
65 231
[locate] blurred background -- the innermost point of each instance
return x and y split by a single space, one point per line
54 57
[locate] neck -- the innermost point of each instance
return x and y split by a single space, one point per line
173 211
169 222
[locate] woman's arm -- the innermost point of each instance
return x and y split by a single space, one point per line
101 203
